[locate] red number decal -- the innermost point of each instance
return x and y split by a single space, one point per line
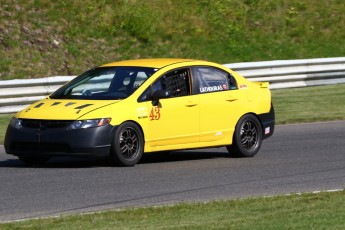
155 113
152 115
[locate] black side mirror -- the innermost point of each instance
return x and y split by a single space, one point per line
159 94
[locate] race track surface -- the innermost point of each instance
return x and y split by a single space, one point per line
297 158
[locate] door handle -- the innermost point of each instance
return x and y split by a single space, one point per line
191 103
231 98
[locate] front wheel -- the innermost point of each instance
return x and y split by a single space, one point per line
247 138
128 145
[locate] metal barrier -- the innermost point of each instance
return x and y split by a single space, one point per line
294 73
15 95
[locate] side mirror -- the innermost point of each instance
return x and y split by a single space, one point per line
159 94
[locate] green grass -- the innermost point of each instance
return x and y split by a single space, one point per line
310 104
307 211
42 38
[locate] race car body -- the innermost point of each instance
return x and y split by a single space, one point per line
124 109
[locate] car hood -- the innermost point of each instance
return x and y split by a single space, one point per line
57 109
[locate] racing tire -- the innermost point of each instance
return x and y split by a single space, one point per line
247 137
127 145
34 160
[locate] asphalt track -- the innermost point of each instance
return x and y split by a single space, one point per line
298 158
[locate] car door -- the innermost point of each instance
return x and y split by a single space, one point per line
219 104
174 121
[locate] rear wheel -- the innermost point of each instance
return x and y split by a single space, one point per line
128 145
247 138
34 160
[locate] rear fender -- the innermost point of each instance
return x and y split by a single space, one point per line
268 122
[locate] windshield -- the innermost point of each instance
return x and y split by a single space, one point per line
104 83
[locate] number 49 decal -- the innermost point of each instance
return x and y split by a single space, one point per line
155 113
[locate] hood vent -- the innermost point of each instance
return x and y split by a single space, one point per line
69 104
39 105
56 103
83 106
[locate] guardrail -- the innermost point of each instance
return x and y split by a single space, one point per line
15 95
294 73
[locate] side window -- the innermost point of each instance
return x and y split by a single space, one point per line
139 80
177 82
233 83
211 79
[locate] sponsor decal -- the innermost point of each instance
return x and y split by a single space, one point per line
142 112
211 89
244 86
155 113
225 86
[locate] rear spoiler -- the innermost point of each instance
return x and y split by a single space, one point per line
263 84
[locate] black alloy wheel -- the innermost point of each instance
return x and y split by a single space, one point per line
128 145
247 138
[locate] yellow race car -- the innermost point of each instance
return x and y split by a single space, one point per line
127 108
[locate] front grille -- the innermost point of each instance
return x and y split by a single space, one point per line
40 147
45 124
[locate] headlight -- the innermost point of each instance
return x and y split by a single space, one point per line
16 123
83 124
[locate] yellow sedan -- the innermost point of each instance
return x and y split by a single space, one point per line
127 108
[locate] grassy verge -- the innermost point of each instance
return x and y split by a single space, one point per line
319 103
307 211
50 38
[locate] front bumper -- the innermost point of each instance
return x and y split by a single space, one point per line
59 141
